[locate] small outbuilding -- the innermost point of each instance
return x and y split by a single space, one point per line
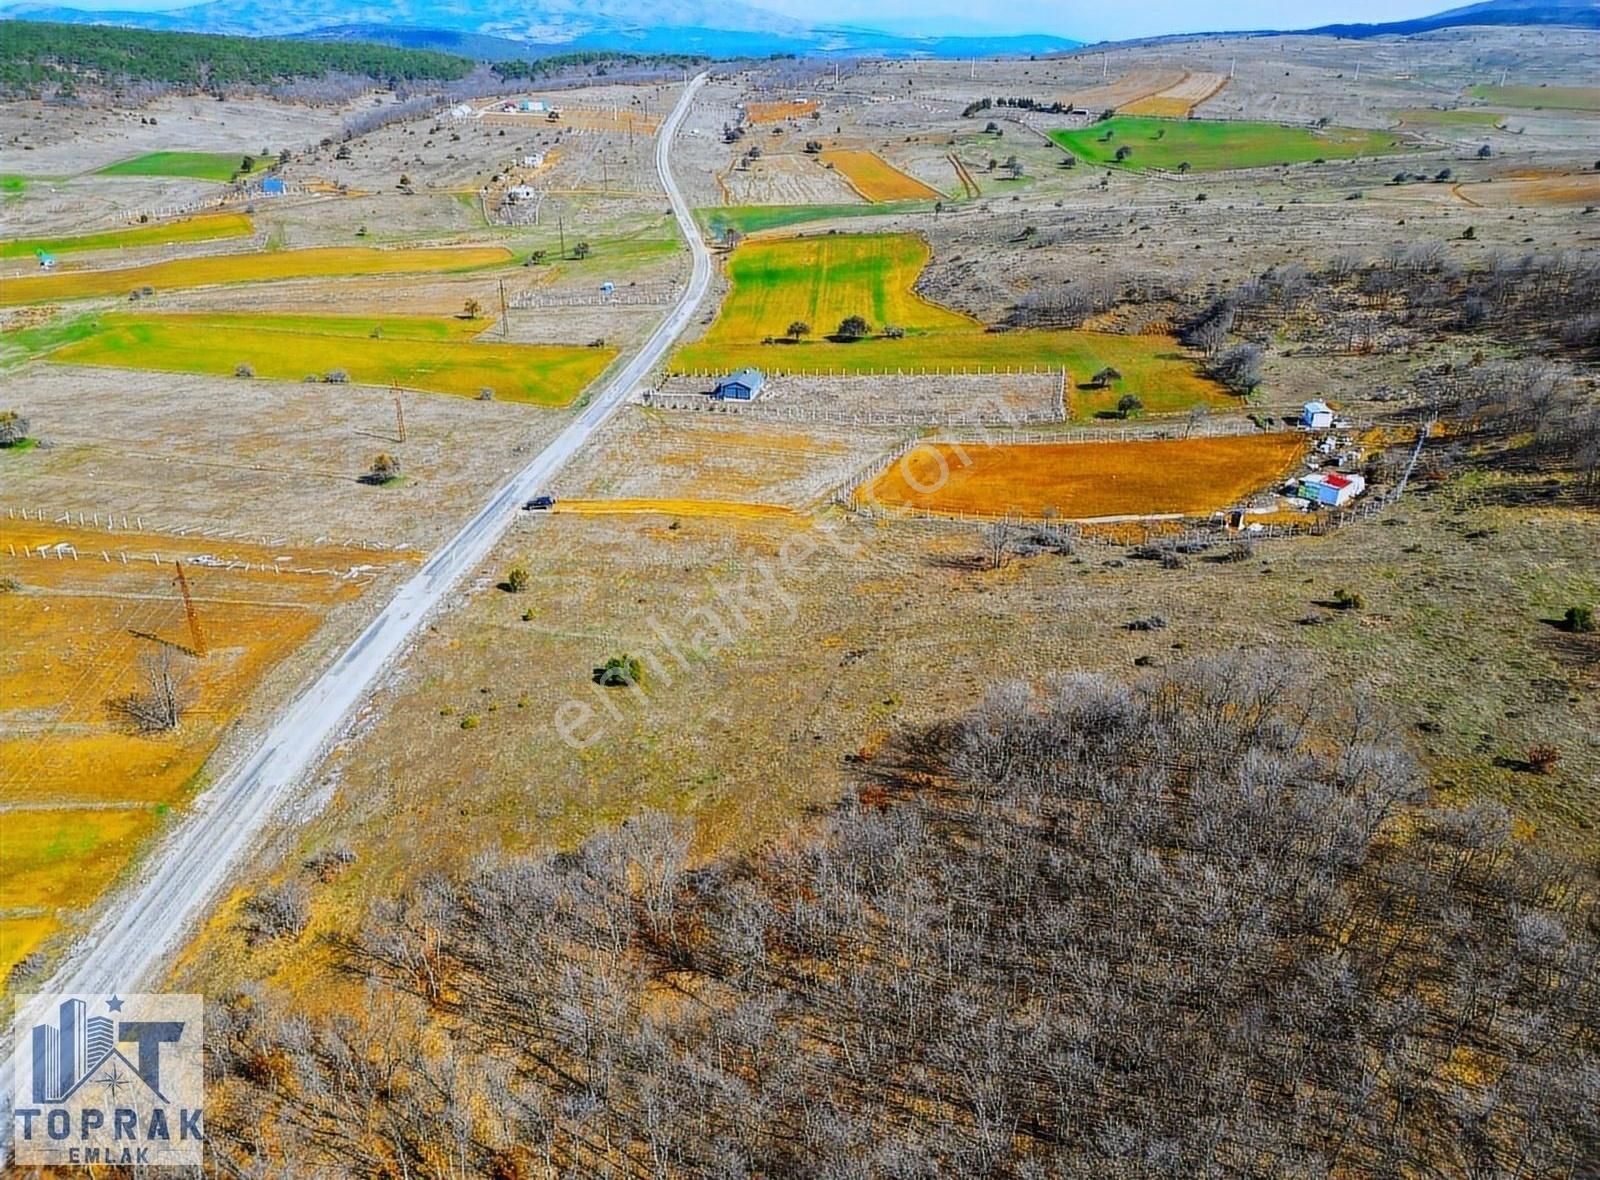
1316 416
1332 489
740 386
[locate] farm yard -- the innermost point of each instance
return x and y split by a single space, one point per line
206 227
436 355
88 618
270 266
1213 145
1079 481
876 179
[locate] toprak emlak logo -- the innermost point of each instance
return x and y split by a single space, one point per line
115 1080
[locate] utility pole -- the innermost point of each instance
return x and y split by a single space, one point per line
1358 71
1503 71
399 414
1233 68
561 228
505 314
197 637
1105 66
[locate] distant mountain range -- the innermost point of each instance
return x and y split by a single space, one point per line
482 28
1573 13
490 30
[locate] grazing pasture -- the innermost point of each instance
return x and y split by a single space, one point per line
215 166
1081 481
219 269
207 227
1208 145
433 354
1555 98
1461 118
876 179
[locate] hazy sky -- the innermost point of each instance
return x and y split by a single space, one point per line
1082 19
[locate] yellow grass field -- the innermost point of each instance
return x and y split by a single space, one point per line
321 262
436 354
78 791
1129 88
1178 101
1082 481
876 179
206 227
725 509
820 280
776 112
1580 188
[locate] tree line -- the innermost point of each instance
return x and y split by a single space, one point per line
1206 925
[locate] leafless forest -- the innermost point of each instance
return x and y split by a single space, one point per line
1204 925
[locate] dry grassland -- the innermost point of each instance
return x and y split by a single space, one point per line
78 789
1079 481
876 179
780 179
321 262
1578 188
651 455
724 509
776 112
1129 88
1179 101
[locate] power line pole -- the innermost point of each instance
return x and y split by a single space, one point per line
197 637
505 315
399 414
561 228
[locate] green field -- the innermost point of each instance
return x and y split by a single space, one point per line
1556 98
1460 117
820 280
433 353
218 166
1209 145
208 227
752 219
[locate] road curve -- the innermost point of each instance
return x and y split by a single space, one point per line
129 944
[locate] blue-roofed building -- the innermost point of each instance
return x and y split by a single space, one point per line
740 386
273 186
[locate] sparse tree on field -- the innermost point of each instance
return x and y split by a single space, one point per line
518 579
854 327
385 469
799 329
1104 377
1197 414
471 309
1239 368
1128 405
581 250
13 428
998 539
245 370
163 695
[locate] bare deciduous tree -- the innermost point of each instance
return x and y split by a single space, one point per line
163 695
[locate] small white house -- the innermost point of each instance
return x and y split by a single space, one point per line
519 193
1332 489
533 161
1316 416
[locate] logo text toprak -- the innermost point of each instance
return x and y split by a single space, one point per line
109 1079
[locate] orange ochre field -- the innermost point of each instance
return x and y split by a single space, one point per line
1085 481
79 791
876 179
774 112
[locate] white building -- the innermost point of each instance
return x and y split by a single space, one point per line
1332 489
1316 416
